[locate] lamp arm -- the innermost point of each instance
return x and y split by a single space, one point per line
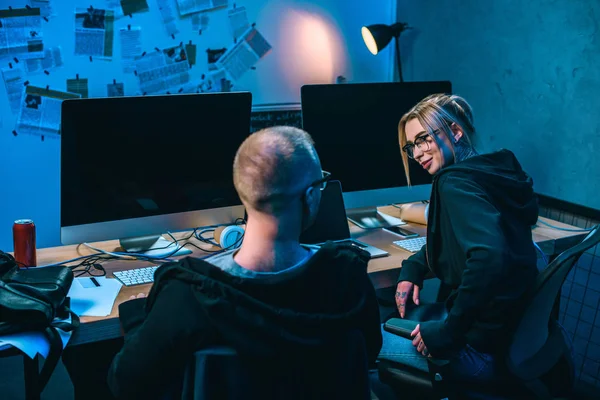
398 58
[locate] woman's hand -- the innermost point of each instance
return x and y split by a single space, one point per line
404 290
418 341
139 296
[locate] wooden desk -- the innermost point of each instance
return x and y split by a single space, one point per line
383 271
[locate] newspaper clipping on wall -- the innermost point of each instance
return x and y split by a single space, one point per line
44 5
21 37
168 16
251 47
163 71
94 32
194 6
40 111
14 80
238 20
52 59
131 46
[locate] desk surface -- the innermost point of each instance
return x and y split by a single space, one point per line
383 271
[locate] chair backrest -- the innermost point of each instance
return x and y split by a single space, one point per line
533 326
220 373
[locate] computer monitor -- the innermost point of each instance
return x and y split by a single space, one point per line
355 129
137 167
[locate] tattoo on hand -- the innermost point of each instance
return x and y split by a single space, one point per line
403 295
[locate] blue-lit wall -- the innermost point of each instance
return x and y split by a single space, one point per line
313 42
531 70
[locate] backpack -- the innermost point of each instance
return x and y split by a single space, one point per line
30 300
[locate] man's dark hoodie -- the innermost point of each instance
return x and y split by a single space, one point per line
287 317
479 243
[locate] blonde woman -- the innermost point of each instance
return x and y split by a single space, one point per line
479 241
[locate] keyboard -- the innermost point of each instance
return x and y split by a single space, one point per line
132 277
413 245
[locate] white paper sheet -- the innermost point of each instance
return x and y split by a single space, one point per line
238 59
40 111
238 20
14 79
131 46
193 6
90 300
52 59
32 343
94 32
163 71
167 14
22 34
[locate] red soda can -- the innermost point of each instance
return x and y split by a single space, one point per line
24 242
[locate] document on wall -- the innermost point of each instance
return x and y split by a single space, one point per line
115 6
78 85
251 47
116 89
168 16
200 22
190 50
131 46
163 71
44 6
52 59
40 111
20 34
130 7
14 80
193 6
238 20
94 32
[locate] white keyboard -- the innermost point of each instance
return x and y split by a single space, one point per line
413 245
138 276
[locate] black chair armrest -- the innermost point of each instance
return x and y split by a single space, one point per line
400 327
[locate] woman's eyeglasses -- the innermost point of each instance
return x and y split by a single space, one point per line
422 142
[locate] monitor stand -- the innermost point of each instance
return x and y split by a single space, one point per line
371 218
152 246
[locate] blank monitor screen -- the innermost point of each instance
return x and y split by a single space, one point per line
355 129
135 157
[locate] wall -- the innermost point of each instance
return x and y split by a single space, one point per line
312 42
531 72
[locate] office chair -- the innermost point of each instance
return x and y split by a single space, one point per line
538 359
220 373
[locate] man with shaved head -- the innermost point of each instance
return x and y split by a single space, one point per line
284 307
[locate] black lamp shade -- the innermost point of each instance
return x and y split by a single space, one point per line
377 36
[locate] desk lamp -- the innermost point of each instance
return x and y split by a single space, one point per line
378 36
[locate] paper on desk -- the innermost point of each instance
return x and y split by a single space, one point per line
32 343
91 300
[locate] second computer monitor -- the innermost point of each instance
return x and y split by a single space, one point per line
355 129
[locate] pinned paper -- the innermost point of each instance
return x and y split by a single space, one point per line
190 49
213 56
162 71
167 14
240 58
238 21
40 111
78 86
131 46
130 7
22 34
14 80
115 90
194 6
94 33
52 59
200 22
